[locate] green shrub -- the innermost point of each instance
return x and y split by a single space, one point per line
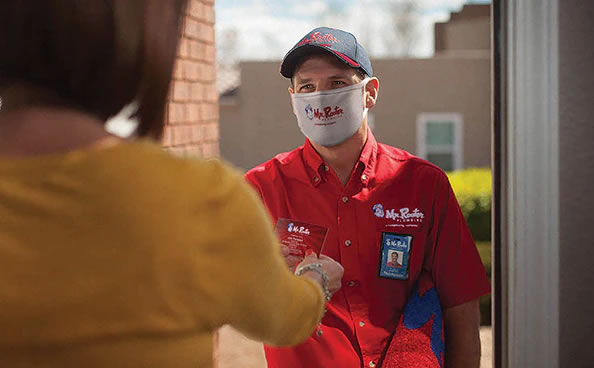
473 189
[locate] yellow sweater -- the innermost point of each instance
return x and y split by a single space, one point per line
129 257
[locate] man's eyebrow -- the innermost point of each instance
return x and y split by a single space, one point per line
335 76
302 80
338 76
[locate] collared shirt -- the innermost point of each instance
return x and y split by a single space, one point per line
389 192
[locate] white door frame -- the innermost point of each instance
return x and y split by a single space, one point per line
529 195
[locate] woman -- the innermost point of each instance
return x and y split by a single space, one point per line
114 253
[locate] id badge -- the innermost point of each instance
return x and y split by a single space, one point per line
299 236
394 256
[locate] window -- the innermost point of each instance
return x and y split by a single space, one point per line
439 139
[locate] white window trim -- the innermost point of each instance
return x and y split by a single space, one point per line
456 118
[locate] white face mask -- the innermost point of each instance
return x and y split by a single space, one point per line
330 117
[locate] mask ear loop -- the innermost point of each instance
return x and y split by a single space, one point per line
364 82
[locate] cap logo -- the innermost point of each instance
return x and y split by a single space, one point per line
319 39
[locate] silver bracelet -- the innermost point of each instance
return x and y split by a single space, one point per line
316 267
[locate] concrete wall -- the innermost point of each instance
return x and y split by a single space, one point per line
260 123
192 115
576 139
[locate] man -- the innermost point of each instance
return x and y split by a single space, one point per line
394 260
373 199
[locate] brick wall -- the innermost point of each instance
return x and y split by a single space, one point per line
192 127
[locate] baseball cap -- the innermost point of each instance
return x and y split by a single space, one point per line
341 44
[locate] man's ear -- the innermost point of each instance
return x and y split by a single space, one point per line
291 91
371 92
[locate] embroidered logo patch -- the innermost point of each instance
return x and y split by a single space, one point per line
378 210
404 217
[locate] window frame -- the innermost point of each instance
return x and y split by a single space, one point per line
458 147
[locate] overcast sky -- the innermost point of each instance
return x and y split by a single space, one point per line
267 29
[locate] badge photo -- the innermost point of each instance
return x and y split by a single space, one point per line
394 256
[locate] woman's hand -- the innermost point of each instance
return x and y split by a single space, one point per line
332 268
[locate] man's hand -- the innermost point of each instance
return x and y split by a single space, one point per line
463 343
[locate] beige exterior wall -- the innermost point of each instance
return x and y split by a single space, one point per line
469 29
437 85
260 123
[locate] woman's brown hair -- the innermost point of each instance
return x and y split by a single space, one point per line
93 55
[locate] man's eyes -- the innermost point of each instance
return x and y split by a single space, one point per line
306 87
310 87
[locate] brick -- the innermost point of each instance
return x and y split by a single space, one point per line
211 74
196 133
211 132
181 135
193 113
183 50
197 92
209 53
193 29
181 91
212 95
178 72
192 70
210 15
210 112
166 139
176 113
207 33
196 9
210 149
196 50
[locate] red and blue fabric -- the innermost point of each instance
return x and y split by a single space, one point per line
419 340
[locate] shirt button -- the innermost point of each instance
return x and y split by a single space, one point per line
361 324
347 243
351 283
345 199
372 364
363 177
316 179
326 168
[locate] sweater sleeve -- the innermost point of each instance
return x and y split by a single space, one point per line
258 295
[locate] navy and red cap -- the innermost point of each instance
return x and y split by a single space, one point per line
341 44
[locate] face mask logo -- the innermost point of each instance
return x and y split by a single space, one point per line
309 112
328 114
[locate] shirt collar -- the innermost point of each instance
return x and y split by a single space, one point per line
316 166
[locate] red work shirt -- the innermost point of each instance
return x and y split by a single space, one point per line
390 191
